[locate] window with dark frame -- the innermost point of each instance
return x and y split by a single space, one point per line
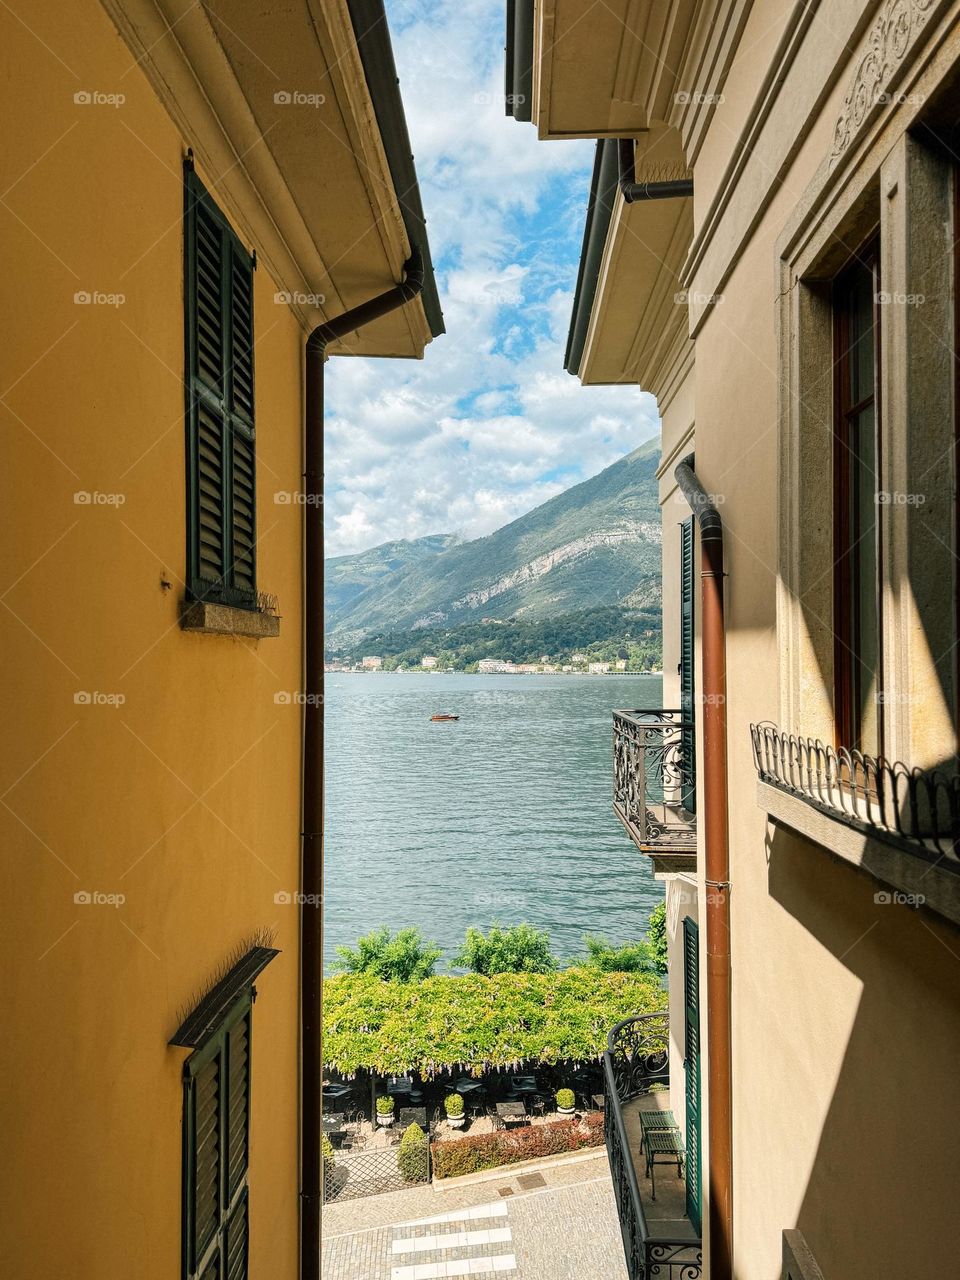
221 493
216 1141
858 664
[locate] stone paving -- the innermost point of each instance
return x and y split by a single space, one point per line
551 1224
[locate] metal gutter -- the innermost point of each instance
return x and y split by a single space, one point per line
717 870
518 61
632 190
376 53
603 188
311 830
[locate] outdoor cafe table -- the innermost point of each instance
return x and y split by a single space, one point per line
511 1112
333 1120
413 1115
466 1084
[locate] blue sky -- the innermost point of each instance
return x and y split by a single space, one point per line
488 425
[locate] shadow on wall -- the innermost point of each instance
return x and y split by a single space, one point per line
881 1198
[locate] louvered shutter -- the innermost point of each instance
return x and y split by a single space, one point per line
235 1242
207 1150
691 1048
687 733
217 1152
221 467
238 1100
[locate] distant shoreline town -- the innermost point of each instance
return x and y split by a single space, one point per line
579 664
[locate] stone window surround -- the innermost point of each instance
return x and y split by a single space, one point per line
904 188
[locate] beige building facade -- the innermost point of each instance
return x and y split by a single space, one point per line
771 250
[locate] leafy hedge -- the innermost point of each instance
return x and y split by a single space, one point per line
473 1023
490 1150
412 1155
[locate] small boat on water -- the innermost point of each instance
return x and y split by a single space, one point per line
444 715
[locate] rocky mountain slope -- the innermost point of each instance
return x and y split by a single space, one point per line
595 544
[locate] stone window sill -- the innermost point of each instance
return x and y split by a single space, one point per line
227 620
921 880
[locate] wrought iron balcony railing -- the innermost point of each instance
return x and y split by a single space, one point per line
916 809
637 1056
654 789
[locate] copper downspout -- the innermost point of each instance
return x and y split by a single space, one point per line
311 871
717 873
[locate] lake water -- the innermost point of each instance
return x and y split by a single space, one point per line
504 815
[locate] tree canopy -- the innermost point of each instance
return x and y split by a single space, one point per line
405 957
518 949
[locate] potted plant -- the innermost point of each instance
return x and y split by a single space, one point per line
453 1105
385 1110
566 1102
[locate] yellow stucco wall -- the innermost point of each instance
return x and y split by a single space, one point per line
184 799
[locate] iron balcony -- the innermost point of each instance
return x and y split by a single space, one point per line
654 788
659 1241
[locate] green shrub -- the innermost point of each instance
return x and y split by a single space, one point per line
566 1099
329 1158
635 957
453 1104
412 1154
520 949
385 1105
404 958
473 1154
657 936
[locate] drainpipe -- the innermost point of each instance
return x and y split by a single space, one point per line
717 875
631 190
311 872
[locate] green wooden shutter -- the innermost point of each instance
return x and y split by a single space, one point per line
691 1049
206 1157
688 733
221 492
217 1152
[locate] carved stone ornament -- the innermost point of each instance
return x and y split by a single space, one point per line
891 35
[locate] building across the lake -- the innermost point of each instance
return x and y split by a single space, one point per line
429 662
190 191
371 663
771 249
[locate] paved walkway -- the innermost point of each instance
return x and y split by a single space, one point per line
556 1224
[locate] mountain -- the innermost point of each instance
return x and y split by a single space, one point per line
595 544
347 577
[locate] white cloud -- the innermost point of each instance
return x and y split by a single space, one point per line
479 431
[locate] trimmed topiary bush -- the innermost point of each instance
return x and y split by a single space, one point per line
566 1100
412 1154
453 1105
385 1105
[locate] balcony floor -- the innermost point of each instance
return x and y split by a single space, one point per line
666 1216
